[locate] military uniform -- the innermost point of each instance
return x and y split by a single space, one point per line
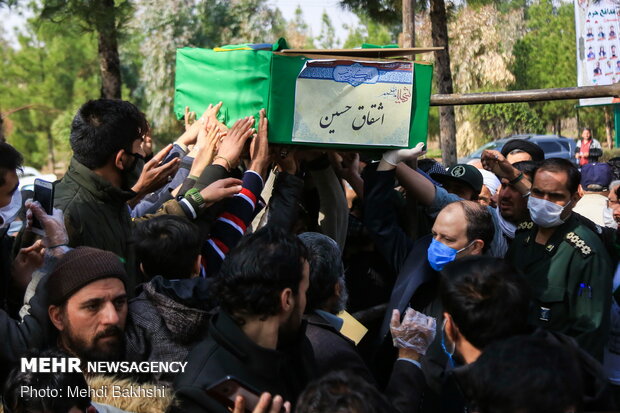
571 281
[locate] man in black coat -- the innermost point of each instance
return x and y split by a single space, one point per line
461 229
258 335
327 297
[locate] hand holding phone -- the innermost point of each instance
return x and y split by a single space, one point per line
265 405
241 398
44 194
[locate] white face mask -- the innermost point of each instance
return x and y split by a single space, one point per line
545 214
9 212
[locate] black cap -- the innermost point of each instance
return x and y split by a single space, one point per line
463 174
534 150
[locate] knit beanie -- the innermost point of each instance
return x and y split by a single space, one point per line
79 267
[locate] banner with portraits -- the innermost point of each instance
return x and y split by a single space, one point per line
598 45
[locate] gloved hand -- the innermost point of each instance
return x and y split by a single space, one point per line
398 155
415 332
53 225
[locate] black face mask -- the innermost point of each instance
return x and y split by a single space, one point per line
132 174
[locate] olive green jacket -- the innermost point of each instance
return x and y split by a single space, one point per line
571 281
96 214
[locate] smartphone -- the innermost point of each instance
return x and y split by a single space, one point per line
226 391
171 155
44 193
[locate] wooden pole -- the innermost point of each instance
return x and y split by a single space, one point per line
534 95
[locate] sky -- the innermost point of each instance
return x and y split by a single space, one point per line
313 9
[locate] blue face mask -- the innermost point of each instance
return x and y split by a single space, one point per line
440 254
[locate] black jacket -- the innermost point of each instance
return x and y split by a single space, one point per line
333 351
416 284
227 351
597 395
34 333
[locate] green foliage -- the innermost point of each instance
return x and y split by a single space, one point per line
609 154
369 31
238 21
382 11
54 71
90 14
593 117
298 32
505 119
327 38
545 56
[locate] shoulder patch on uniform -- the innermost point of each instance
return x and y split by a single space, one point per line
579 244
525 225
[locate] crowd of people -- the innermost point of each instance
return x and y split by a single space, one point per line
241 262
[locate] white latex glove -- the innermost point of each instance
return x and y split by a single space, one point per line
53 225
415 332
398 155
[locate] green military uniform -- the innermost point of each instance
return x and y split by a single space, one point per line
571 281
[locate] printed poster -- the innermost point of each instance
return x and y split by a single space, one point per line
354 102
598 45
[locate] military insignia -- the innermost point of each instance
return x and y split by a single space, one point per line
458 171
544 314
525 225
550 247
579 244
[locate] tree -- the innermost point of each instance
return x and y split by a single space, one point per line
103 17
298 33
163 26
391 11
49 76
369 31
443 74
481 50
238 21
327 38
545 57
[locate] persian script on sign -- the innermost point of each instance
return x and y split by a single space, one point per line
354 102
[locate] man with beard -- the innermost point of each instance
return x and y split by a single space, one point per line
105 176
258 335
88 304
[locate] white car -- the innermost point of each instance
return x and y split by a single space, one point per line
27 176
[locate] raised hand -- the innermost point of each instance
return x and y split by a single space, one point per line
259 148
231 146
396 156
414 334
220 189
495 162
155 175
189 118
345 164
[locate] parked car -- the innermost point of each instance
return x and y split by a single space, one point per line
553 146
27 176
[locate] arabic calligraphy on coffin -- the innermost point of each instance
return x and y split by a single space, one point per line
354 102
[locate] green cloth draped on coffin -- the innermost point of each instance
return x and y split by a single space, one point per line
248 80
